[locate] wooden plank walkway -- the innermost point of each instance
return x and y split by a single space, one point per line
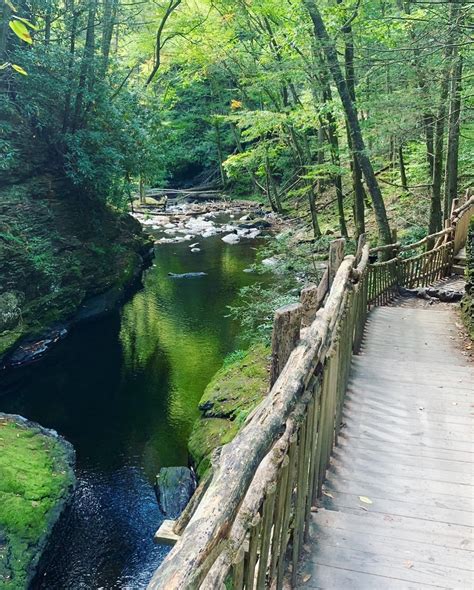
406 448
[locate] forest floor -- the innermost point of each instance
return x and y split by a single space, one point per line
36 480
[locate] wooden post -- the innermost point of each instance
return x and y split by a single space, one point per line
286 334
311 299
336 256
360 246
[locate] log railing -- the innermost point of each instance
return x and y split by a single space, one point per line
419 264
248 527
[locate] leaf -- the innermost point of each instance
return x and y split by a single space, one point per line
26 22
365 500
20 31
20 70
235 104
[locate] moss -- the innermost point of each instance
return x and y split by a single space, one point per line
467 303
36 478
207 435
227 401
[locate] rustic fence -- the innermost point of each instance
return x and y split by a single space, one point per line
246 527
419 264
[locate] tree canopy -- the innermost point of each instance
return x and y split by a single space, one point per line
309 105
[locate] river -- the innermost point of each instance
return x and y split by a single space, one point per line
124 391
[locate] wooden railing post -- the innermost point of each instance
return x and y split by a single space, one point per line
285 336
336 256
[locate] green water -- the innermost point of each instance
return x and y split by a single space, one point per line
124 390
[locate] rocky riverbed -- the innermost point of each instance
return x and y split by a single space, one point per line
190 222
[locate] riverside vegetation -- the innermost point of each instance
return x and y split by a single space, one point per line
340 117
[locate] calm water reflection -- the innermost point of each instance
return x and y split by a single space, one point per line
124 390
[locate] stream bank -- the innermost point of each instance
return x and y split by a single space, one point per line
61 253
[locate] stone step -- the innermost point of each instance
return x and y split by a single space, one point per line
457 269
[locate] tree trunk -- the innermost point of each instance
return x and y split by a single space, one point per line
436 214
142 191
220 153
359 191
353 122
86 71
47 23
72 50
451 179
110 13
4 31
159 42
403 173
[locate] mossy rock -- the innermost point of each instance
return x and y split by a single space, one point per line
36 480
207 435
235 390
237 386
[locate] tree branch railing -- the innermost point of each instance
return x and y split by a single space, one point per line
252 519
421 263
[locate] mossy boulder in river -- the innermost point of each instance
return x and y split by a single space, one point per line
36 480
229 398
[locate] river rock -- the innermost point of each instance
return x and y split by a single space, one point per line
187 275
231 239
195 249
258 224
174 488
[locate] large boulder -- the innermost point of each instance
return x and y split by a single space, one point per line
174 488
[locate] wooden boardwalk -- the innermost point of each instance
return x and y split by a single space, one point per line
397 508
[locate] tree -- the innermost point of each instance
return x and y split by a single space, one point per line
353 123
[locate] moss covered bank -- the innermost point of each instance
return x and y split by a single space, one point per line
36 480
229 398
59 249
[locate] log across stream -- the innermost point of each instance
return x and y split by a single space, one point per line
124 390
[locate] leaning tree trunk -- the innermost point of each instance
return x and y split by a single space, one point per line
359 192
353 122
